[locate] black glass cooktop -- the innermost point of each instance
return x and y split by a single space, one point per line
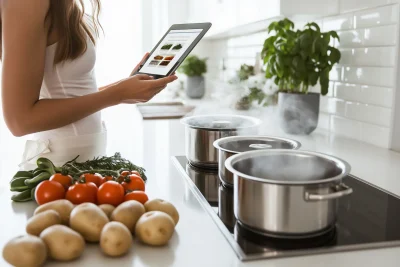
369 218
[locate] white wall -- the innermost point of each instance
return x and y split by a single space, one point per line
360 102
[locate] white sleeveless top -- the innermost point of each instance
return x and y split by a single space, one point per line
70 78
86 137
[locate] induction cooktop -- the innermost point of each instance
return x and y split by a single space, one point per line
369 218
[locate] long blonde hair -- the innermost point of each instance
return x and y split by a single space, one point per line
74 26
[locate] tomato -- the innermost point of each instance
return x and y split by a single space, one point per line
133 182
137 195
137 173
82 192
106 178
48 191
125 173
92 178
110 192
64 180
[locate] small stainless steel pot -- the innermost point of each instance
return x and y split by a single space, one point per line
201 132
287 192
233 145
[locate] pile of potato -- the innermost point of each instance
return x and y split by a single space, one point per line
60 230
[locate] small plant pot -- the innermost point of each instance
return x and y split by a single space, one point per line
298 113
195 87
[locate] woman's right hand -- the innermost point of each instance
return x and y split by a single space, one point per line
139 88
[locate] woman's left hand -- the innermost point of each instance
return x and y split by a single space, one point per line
140 63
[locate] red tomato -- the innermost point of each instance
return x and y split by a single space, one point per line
133 182
48 191
110 192
138 196
82 192
125 173
137 173
92 178
64 180
106 178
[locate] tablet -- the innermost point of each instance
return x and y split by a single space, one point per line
173 48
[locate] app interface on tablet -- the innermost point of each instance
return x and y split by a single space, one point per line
171 48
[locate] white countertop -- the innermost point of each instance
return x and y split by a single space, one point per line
198 241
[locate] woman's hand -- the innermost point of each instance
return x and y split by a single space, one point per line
140 63
139 88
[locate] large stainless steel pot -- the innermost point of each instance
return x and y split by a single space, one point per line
287 192
233 145
201 132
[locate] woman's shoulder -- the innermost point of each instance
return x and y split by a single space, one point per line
26 7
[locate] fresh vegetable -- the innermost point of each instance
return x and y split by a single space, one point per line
47 165
166 46
107 209
92 178
82 192
115 240
155 228
18 182
128 213
164 206
110 192
133 182
125 173
138 196
103 165
64 244
48 191
37 179
177 47
41 221
65 180
25 250
28 174
22 196
88 220
106 179
62 206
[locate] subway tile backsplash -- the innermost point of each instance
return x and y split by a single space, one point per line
360 99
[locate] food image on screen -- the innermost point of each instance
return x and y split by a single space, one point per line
166 46
158 57
164 63
169 57
154 62
177 47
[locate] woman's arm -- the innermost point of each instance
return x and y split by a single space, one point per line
24 47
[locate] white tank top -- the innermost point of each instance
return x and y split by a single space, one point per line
70 78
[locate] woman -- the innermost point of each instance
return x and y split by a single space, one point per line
48 82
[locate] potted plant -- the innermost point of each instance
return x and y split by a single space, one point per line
296 60
194 68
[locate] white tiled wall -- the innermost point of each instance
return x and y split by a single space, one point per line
360 100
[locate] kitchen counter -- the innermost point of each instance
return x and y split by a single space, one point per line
197 240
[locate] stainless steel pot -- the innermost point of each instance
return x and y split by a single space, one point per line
233 145
287 192
202 131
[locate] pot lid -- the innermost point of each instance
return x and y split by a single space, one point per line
239 144
221 122
287 167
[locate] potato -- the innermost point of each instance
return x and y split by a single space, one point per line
116 239
88 220
155 228
64 244
128 213
41 221
164 206
62 206
108 209
27 250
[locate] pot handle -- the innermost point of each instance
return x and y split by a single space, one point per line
340 191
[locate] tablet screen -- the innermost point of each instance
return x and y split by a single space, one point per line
170 49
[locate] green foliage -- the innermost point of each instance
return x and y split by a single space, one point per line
193 66
245 72
297 59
